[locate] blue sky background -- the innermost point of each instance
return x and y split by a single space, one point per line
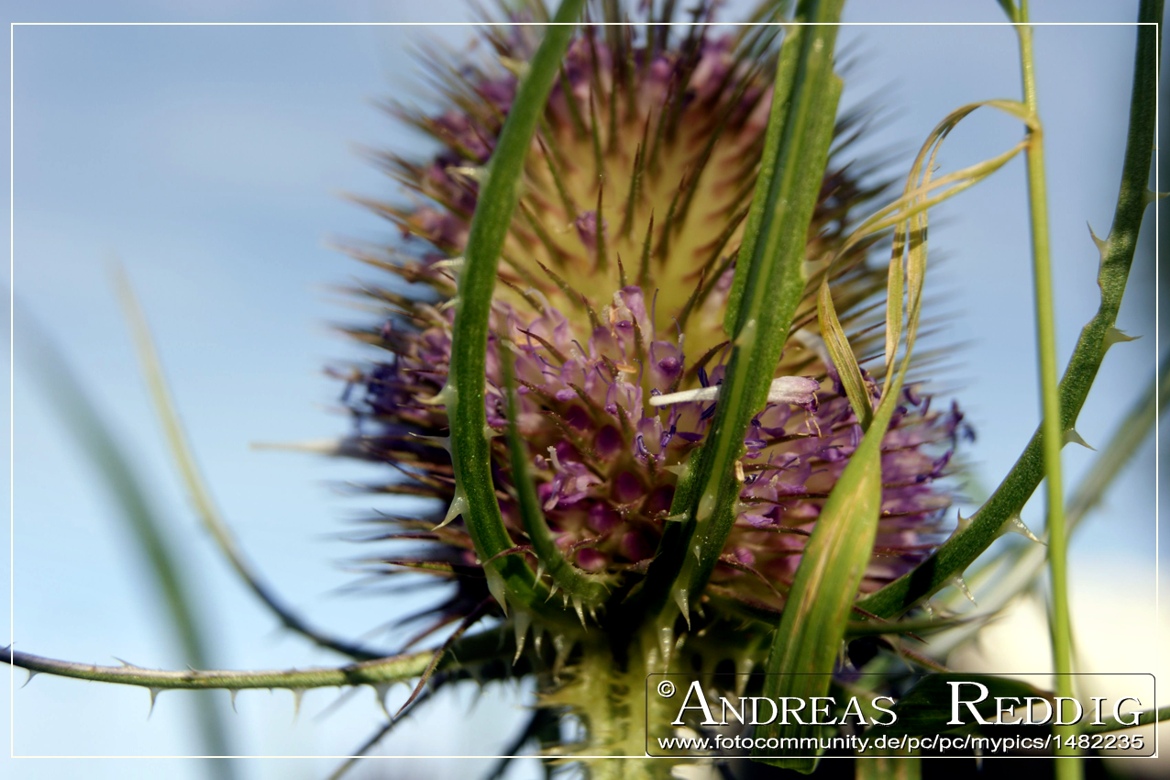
211 161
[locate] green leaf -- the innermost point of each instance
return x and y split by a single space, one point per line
844 361
781 97
770 283
815 618
808 641
816 613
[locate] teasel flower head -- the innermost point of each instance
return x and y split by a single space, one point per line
608 321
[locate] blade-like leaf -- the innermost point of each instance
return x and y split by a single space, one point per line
813 625
200 494
844 361
770 283
498 196
808 640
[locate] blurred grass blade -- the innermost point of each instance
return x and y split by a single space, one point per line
145 529
200 495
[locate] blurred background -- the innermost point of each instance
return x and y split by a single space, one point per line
211 162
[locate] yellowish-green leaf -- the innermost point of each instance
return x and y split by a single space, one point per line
812 628
844 361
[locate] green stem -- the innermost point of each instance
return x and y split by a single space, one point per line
1060 624
621 721
509 575
1018 570
1117 251
481 648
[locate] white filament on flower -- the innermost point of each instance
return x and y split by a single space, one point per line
799 390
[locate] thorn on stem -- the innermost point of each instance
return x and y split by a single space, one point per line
1102 244
381 690
298 695
961 584
1072 437
1017 526
154 692
1116 336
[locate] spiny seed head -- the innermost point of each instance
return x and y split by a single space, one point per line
612 291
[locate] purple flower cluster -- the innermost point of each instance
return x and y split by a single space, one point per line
605 460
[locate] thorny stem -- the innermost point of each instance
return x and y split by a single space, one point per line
484 647
1060 624
1098 335
1020 568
